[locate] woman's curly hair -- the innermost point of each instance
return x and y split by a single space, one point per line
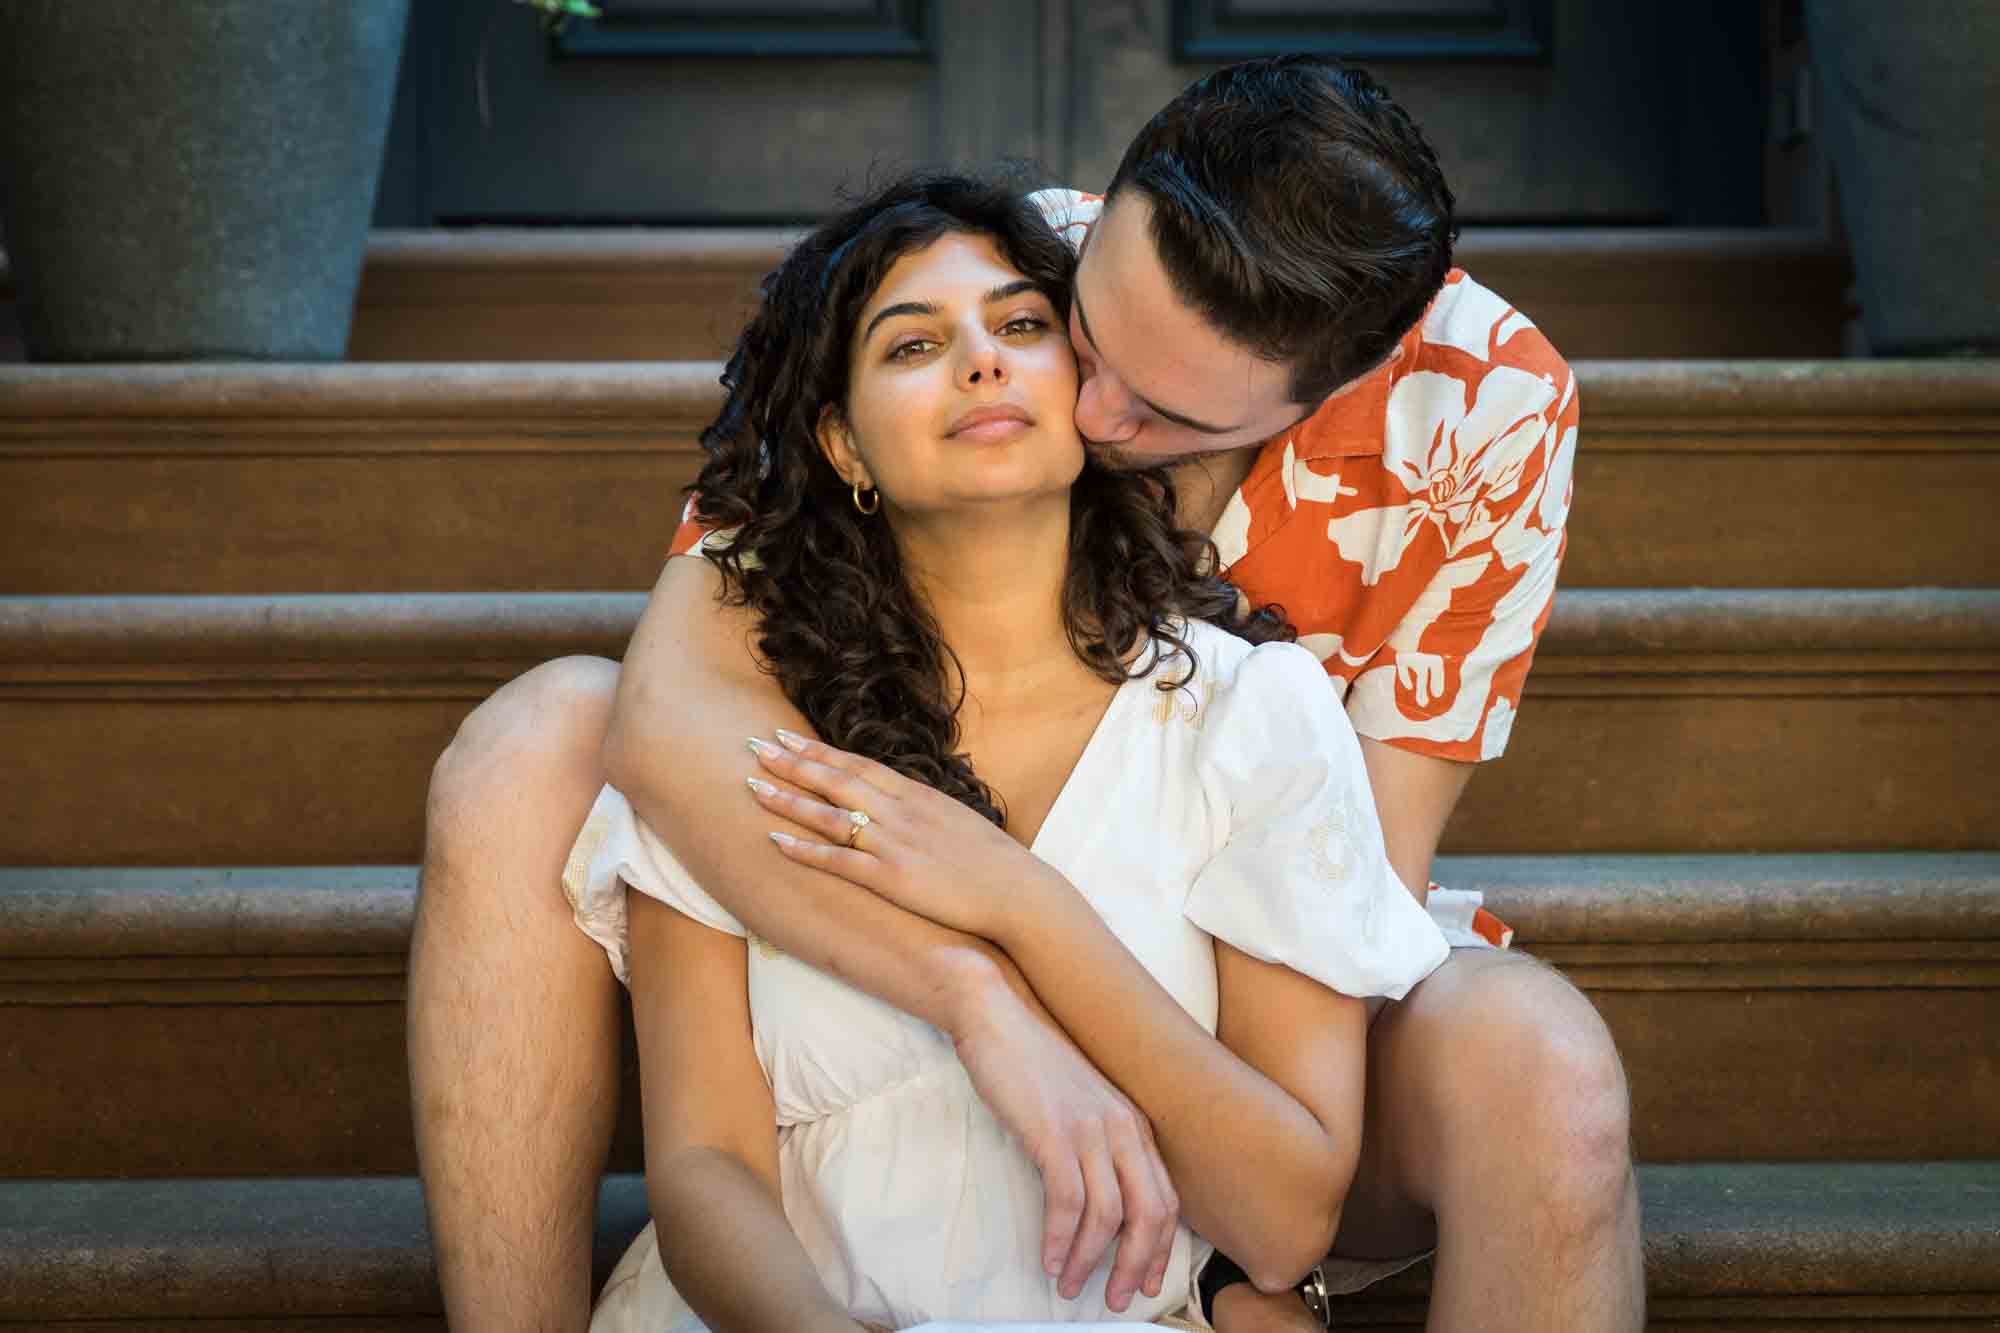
848 638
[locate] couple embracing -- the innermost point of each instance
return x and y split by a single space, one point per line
1014 817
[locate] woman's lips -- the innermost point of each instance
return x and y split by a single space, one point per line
984 425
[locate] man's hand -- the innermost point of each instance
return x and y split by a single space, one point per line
1102 1175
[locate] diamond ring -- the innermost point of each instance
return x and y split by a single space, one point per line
857 820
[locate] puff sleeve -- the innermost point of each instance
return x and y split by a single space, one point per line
614 850
1303 877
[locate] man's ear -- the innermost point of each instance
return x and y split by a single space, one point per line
836 443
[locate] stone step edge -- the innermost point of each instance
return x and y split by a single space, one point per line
660 254
659 398
1921 628
310 1246
367 911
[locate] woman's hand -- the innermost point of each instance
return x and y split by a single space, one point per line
918 848
1102 1174
1103 1178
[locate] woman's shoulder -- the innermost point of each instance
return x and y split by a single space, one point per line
1225 659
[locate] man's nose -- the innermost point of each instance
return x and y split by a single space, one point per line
1103 413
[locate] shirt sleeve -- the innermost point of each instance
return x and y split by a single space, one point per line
689 534
1303 878
1070 212
1456 664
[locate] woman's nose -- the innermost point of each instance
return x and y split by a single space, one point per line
984 363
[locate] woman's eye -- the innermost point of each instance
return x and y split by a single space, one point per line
1025 324
905 351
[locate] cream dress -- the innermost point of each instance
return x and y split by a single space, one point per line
1236 808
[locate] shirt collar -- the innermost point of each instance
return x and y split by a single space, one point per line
1351 426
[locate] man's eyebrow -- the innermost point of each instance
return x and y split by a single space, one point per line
1000 293
1165 414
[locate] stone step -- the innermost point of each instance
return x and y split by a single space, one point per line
302 729
444 478
1743 1247
580 295
649 294
250 1021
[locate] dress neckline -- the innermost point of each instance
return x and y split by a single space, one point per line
1097 742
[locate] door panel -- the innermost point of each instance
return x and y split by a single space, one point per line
758 111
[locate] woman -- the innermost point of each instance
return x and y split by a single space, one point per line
1000 645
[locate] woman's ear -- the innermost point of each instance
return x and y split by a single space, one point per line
836 442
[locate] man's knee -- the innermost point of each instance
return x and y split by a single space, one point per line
546 723
1532 1072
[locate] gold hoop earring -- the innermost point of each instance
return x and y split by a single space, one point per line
867 508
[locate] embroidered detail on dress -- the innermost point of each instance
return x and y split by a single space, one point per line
1331 850
576 872
766 948
1182 704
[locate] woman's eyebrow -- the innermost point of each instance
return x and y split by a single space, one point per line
1003 292
1010 289
900 308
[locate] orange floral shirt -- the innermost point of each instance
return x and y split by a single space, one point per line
1411 528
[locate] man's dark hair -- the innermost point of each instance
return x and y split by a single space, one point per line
1298 210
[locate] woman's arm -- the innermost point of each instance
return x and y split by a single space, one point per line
711 1133
1277 1100
689 695
1274 1098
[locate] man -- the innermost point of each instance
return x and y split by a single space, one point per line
1379 445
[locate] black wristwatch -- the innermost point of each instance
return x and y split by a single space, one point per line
1222 1271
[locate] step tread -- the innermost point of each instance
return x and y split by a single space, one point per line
290 1246
1673 624
1675 397
366 911
235 478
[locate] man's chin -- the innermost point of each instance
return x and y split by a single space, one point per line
1116 458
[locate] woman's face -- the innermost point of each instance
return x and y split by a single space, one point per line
961 385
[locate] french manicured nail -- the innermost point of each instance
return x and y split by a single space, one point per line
783 839
791 740
760 747
761 787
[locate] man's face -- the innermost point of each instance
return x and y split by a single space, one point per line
1160 385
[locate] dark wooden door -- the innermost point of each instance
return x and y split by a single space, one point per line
725 112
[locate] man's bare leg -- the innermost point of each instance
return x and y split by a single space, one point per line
1498 1129
513 1013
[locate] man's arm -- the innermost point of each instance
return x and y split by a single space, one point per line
1414 796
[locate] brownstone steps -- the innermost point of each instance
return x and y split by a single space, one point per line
302 729
250 1021
442 478
647 294
1740 1247
575 295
